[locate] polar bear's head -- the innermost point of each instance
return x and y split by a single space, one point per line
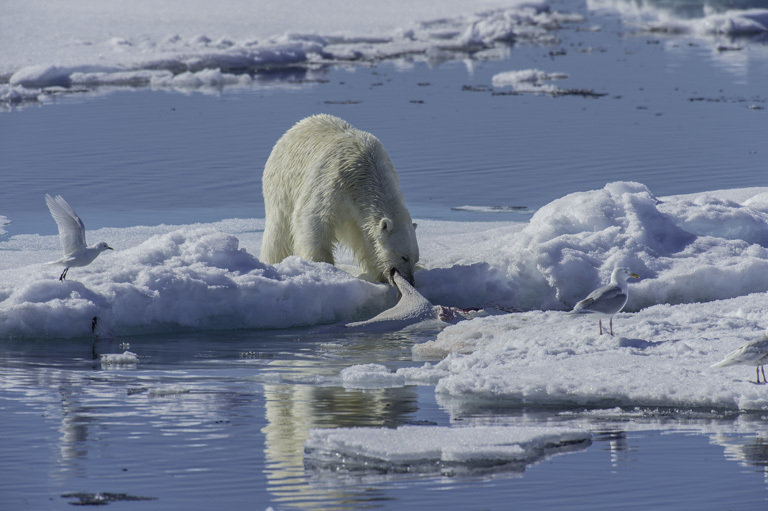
396 248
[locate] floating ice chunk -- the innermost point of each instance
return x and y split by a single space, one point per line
438 449
207 78
113 360
744 22
528 20
143 44
39 76
42 76
525 76
370 376
711 21
169 390
140 78
529 80
548 359
15 94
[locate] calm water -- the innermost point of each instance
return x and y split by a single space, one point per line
211 418
677 116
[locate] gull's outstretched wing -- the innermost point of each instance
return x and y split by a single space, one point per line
71 228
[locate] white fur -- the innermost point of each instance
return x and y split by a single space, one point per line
326 182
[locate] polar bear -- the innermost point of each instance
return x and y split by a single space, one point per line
326 182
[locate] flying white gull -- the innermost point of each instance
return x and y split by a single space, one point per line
606 301
753 353
72 234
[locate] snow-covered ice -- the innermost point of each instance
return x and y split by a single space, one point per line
163 278
118 360
662 359
370 376
187 278
713 18
529 80
210 46
198 45
700 295
420 449
697 300
723 29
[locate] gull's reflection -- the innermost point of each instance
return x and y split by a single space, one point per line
617 444
750 451
75 421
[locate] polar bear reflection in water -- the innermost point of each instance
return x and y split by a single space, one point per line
327 183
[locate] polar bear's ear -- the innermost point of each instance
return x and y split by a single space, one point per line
415 225
386 224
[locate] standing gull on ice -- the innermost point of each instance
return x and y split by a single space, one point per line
72 234
606 301
753 353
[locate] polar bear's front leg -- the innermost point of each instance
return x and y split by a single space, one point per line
277 242
314 239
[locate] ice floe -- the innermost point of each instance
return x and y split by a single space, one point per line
69 48
442 450
528 80
118 360
370 376
188 278
662 359
697 17
700 296
168 278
